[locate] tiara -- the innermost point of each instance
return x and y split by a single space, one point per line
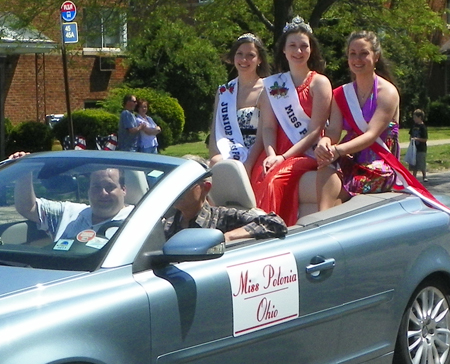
296 23
249 36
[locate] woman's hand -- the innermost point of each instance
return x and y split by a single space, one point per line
271 162
325 153
17 155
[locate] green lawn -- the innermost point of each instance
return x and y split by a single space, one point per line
197 148
437 156
434 133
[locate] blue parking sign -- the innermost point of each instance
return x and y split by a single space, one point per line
70 32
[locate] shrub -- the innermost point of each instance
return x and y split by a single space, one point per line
165 138
88 123
30 136
439 113
159 103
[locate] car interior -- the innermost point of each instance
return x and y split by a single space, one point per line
26 232
231 187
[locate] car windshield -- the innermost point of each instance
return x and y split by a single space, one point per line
61 210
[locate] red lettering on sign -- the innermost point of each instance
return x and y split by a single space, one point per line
266 311
275 279
245 285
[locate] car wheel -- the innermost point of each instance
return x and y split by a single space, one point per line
424 335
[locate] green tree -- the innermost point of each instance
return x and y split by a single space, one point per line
406 29
169 55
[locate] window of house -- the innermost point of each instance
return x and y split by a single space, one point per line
105 28
91 104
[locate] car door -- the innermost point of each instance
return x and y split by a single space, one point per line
380 245
272 301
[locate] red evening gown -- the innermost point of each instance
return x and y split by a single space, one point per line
278 190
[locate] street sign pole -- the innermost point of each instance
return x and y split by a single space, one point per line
66 87
68 12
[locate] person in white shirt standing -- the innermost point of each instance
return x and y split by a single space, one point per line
148 141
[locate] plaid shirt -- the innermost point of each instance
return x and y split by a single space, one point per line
227 219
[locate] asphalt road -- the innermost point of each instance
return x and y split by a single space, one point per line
438 183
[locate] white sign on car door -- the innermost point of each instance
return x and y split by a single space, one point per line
264 292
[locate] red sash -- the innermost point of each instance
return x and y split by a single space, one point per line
409 182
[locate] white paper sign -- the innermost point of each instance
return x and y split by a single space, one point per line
264 292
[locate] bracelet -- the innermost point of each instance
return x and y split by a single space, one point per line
335 148
283 156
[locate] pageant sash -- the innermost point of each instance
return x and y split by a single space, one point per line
229 138
347 101
287 108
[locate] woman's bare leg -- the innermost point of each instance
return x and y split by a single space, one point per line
329 189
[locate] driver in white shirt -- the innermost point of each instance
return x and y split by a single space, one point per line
64 220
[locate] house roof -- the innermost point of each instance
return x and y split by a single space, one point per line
16 39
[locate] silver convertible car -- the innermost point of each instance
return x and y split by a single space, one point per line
364 282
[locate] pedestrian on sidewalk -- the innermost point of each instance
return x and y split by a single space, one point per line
419 134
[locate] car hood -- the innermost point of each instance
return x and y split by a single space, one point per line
15 279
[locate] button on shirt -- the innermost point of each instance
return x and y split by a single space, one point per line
227 219
64 220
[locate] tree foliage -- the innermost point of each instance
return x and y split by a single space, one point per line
29 136
179 53
169 55
406 30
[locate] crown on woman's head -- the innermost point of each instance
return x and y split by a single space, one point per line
249 36
297 23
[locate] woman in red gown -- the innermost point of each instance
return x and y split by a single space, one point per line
294 110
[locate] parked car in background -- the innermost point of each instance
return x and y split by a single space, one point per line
364 282
53 119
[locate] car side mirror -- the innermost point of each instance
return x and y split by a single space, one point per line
191 245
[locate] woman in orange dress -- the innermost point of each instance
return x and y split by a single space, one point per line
294 110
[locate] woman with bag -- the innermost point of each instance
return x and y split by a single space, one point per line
367 109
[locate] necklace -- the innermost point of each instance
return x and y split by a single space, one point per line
363 95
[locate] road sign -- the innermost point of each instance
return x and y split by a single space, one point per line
70 32
68 11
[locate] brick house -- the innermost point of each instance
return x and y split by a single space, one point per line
33 75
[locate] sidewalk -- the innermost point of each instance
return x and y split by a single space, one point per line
404 145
